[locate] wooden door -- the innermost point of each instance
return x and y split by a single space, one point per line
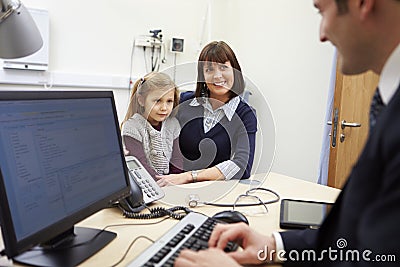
352 100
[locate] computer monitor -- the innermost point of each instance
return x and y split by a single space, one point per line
61 160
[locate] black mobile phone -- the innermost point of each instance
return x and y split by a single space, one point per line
301 214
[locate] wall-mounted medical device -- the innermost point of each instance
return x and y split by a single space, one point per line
177 45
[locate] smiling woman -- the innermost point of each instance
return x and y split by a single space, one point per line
218 128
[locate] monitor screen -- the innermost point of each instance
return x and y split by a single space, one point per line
61 161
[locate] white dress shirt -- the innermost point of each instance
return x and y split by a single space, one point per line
390 76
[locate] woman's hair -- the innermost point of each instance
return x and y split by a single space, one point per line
219 52
142 87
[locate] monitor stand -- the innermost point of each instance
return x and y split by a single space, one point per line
84 243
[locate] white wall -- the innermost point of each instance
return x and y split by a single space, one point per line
276 43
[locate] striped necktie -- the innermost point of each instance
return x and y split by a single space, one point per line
376 107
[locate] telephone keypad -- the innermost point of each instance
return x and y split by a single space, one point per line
151 190
146 186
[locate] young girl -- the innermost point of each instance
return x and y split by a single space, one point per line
148 131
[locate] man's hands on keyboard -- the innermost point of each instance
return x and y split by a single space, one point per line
251 242
210 257
192 232
198 240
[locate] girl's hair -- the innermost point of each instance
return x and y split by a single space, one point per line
142 87
219 52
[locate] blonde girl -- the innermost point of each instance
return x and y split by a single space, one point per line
150 131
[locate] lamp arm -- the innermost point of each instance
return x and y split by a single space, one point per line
7 7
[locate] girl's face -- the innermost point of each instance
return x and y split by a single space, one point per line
219 79
158 105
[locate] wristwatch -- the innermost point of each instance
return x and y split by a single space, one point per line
194 176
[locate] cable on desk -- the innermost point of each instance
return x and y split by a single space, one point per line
132 224
177 213
97 234
193 202
129 248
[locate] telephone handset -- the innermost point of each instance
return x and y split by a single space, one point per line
144 188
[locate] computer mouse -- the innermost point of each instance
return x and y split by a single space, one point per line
230 216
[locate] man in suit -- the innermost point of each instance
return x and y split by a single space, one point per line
363 228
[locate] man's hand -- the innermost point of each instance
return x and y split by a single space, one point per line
253 244
204 258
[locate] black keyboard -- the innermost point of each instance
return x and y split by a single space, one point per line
192 232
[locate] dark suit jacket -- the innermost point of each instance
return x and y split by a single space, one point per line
365 220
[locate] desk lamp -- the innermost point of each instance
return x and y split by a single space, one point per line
19 36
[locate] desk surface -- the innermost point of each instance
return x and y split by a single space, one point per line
128 229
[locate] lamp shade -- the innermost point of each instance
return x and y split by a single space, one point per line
19 35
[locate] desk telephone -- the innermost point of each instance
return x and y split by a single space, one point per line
144 188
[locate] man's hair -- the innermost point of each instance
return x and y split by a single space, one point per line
342 6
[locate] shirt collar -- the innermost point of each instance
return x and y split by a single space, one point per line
390 76
228 108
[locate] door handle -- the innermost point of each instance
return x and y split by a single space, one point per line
349 124
334 124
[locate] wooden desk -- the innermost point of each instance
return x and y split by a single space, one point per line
285 186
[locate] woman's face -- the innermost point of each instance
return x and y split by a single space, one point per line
219 79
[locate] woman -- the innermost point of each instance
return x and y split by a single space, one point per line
217 138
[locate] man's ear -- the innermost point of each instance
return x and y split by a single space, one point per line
366 7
